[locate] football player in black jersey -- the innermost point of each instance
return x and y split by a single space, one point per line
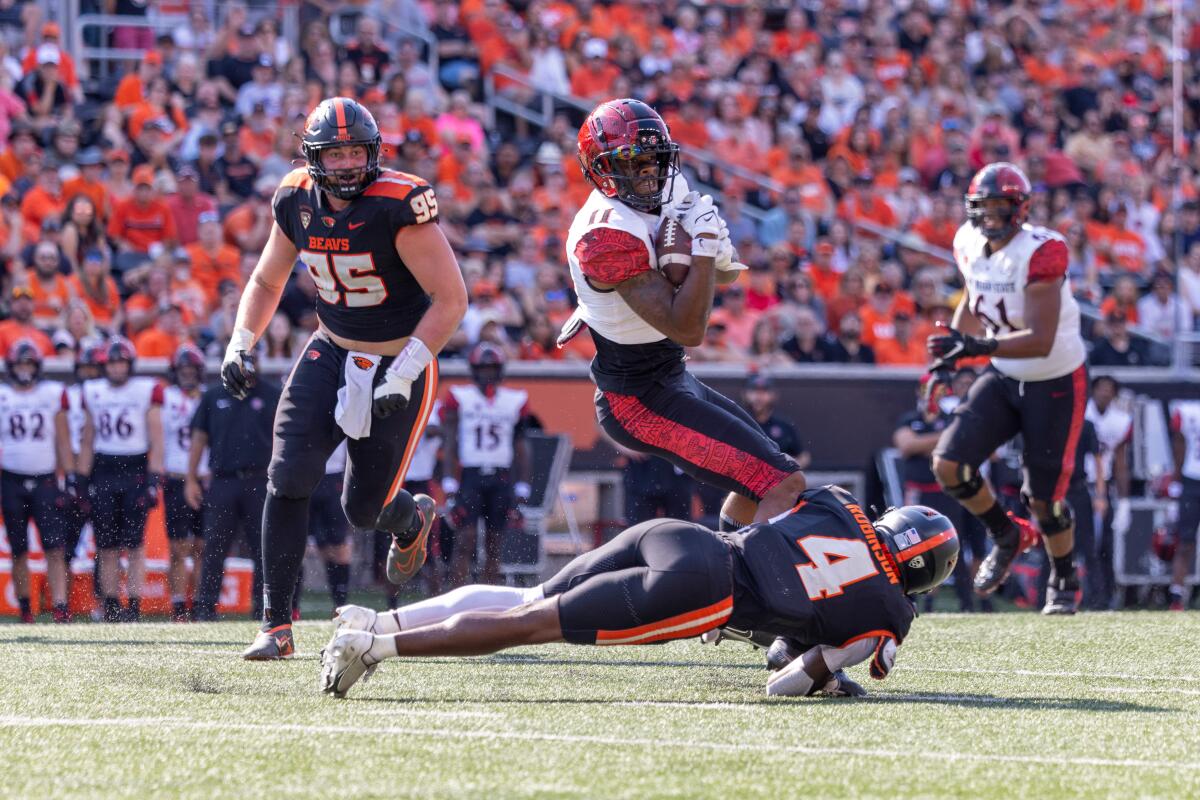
822 574
389 295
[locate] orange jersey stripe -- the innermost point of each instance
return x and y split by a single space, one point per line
396 185
691 623
339 111
928 544
418 430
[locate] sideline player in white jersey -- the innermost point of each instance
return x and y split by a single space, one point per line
640 322
121 461
1114 432
1185 446
185 531
487 460
31 421
88 360
1018 309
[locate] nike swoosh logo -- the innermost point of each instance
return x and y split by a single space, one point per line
356 225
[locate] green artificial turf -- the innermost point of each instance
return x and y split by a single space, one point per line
1003 706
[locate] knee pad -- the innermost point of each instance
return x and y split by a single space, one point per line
296 480
1061 518
969 483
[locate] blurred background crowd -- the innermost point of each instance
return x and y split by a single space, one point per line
839 138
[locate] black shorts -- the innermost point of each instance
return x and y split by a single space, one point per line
183 521
120 501
487 495
306 434
327 523
701 431
1189 510
32 497
659 580
1047 414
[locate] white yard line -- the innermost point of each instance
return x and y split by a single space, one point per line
738 747
1123 676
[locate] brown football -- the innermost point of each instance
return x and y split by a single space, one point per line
673 248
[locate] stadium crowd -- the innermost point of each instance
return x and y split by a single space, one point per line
139 204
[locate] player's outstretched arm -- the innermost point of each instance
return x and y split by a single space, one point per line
266 284
428 256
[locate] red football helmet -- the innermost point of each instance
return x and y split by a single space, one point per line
487 365
612 141
119 349
187 356
999 181
24 351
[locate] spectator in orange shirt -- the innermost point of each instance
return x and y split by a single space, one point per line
864 204
1124 298
131 89
905 349
164 337
51 34
249 225
213 259
15 161
1127 249
161 108
94 286
939 227
825 278
49 287
878 315
43 201
89 182
594 78
142 219
188 203
19 324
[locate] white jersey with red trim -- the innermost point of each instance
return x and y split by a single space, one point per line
1114 426
487 425
119 414
424 460
76 414
1185 420
996 286
27 432
178 409
605 311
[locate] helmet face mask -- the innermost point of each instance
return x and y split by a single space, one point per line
340 122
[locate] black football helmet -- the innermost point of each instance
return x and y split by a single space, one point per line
612 141
24 351
187 367
924 544
999 181
89 360
119 349
337 122
487 365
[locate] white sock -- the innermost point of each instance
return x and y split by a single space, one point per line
382 647
386 622
467 598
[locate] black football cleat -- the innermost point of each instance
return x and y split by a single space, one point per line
994 569
1061 594
406 555
272 645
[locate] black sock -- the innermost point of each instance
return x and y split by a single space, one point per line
179 609
285 525
26 607
112 609
338 576
998 522
135 608
61 612
1062 567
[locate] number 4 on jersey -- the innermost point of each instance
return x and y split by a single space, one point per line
836 563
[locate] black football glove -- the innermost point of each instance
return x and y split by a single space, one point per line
239 373
948 345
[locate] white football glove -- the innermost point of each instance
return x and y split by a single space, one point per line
698 216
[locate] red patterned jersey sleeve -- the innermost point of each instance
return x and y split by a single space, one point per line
65 401
1048 262
1176 422
156 394
609 255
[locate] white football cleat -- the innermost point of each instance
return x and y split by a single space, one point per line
355 618
343 661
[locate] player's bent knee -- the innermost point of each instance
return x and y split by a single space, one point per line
360 516
1054 518
958 480
295 482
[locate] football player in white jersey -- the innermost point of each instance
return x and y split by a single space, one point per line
185 532
1114 432
1185 446
1017 309
120 462
31 418
79 508
640 322
487 460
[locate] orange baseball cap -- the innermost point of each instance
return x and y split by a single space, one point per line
51 30
143 174
154 58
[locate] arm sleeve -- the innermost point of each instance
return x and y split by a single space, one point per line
609 255
1048 262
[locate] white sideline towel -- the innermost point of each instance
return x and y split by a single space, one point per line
354 399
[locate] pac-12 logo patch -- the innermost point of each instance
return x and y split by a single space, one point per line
313 355
363 363
305 216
